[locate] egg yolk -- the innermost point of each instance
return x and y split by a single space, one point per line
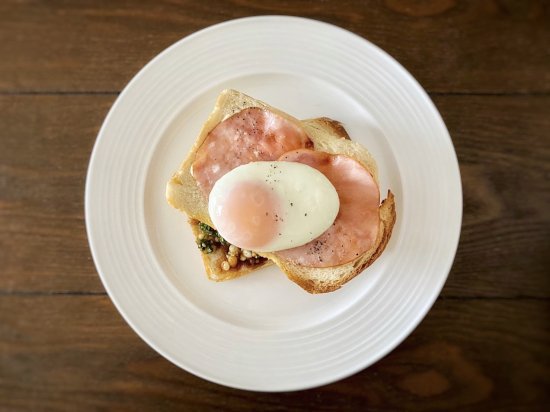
250 215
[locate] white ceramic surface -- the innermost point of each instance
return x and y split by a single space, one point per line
262 332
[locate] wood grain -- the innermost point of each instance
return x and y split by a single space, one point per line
75 353
500 142
482 46
504 154
46 145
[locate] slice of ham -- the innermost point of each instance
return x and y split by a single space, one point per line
355 228
251 135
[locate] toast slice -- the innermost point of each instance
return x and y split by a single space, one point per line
182 191
327 135
184 194
330 136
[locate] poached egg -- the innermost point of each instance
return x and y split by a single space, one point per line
270 206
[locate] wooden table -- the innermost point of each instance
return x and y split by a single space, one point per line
484 345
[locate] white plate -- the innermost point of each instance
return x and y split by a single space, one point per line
262 332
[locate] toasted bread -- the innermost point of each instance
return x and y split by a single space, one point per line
182 190
327 135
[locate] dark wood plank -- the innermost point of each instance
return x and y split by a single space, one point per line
75 352
467 46
46 144
501 143
504 154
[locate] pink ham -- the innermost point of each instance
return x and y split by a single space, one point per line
356 226
250 135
